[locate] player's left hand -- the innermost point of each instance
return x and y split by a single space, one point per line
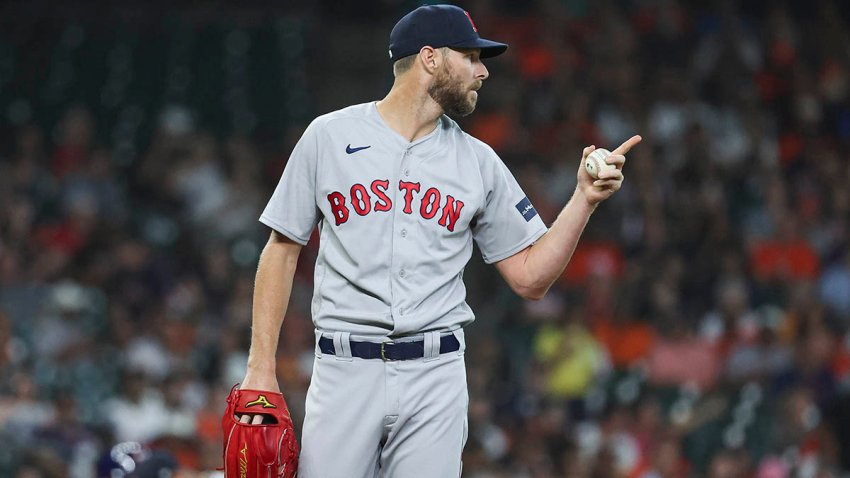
610 179
265 449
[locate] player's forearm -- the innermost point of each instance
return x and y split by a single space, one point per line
546 259
272 289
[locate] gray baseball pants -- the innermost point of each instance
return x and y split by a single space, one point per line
369 418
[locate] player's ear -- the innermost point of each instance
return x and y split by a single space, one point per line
430 58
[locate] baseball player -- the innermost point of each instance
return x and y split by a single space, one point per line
399 193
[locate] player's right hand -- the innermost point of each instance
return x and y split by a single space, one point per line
257 381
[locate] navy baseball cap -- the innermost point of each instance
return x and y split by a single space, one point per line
438 26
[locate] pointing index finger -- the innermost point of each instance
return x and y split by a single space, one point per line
625 147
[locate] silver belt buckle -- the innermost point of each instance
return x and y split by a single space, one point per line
383 352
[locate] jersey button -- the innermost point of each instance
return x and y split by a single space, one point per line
402 273
404 233
407 172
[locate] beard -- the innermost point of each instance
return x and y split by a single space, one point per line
450 93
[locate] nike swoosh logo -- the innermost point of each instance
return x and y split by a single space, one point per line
350 150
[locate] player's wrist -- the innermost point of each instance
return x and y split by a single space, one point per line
583 201
260 381
262 368
261 371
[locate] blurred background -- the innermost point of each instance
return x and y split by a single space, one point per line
701 330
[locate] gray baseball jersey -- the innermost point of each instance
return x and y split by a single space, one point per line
397 220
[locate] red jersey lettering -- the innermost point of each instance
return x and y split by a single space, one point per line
430 203
451 213
338 208
380 188
408 189
360 200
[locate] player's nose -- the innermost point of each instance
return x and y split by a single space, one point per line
482 73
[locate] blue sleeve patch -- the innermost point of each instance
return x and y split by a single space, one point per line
526 209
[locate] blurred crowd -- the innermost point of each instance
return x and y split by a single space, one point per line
702 328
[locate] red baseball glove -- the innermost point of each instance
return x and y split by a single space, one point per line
264 450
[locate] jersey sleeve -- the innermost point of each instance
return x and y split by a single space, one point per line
507 223
292 209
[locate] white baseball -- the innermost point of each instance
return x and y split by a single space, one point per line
595 162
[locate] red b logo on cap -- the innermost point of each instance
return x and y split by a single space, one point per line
470 21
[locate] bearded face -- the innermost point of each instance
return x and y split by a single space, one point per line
454 96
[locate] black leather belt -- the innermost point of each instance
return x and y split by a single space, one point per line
391 350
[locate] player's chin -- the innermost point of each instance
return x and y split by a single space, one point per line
463 109
472 100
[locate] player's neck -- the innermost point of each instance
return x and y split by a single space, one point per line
409 111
